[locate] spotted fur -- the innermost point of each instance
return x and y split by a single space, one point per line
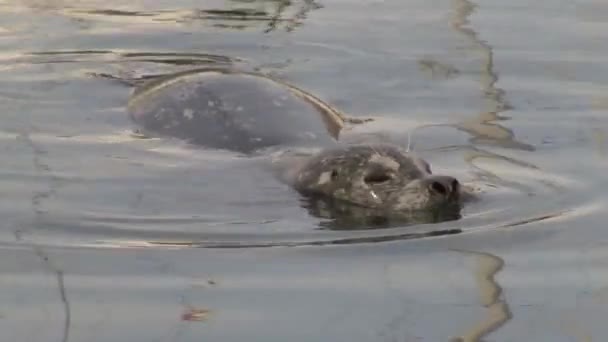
375 176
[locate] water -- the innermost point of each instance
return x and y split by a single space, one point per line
107 236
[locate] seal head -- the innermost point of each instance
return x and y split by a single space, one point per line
376 176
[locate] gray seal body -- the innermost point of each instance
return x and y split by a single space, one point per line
239 111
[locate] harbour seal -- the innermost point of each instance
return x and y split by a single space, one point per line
250 112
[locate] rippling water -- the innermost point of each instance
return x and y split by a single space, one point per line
110 237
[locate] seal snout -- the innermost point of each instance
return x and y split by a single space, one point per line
443 186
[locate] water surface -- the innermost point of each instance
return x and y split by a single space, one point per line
107 236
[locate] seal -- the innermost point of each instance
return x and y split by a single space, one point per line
250 112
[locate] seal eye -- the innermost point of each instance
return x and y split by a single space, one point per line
439 188
376 178
334 174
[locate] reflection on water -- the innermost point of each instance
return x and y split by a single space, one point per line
270 15
437 69
63 295
171 58
39 214
484 128
294 20
342 216
490 296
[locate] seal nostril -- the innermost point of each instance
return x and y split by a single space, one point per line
439 188
334 174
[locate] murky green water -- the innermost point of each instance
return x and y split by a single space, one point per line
106 236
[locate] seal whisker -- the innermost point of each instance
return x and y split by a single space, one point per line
373 149
409 139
